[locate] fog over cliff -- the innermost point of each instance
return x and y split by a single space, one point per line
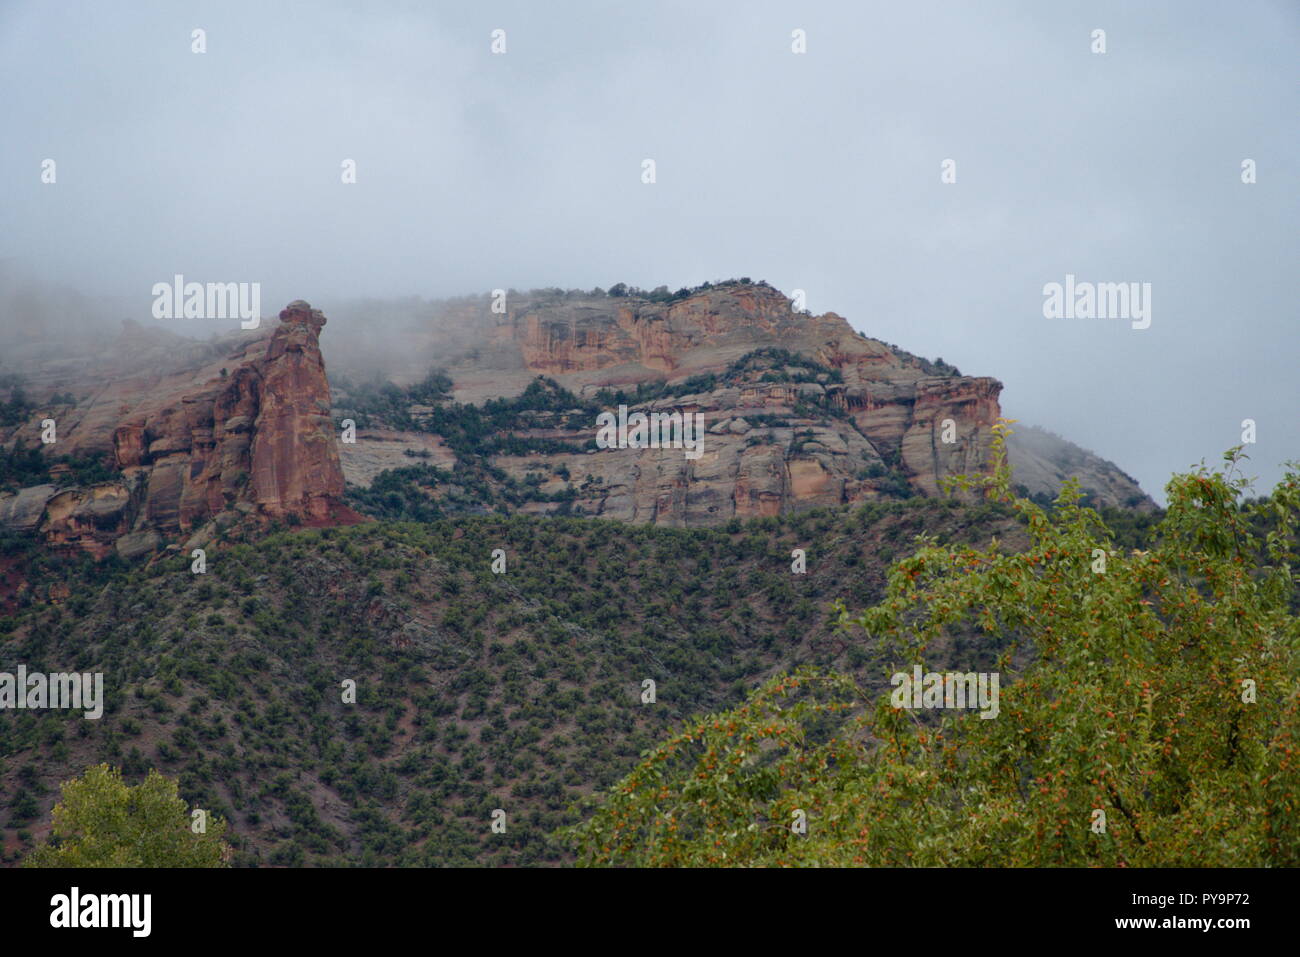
816 171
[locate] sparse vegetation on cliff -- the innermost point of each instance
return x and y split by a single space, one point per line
21 467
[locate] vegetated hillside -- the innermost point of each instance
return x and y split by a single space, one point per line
474 691
1152 724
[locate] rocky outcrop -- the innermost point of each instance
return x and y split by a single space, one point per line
883 423
295 467
23 510
877 422
785 461
202 434
239 421
971 406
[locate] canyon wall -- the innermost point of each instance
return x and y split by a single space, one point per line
202 434
874 423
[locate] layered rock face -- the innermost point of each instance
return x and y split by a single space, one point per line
205 432
237 424
894 411
769 448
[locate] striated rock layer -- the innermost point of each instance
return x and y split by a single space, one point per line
205 432
890 433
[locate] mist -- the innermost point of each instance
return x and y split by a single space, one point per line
818 171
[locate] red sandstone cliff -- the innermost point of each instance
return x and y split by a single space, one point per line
896 405
240 425
207 432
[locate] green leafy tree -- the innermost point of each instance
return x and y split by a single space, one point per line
1148 711
103 822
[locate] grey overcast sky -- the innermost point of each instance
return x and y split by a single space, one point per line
818 171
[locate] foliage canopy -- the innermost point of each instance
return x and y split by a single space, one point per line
1154 693
104 822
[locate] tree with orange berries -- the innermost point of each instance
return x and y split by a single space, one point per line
1149 710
